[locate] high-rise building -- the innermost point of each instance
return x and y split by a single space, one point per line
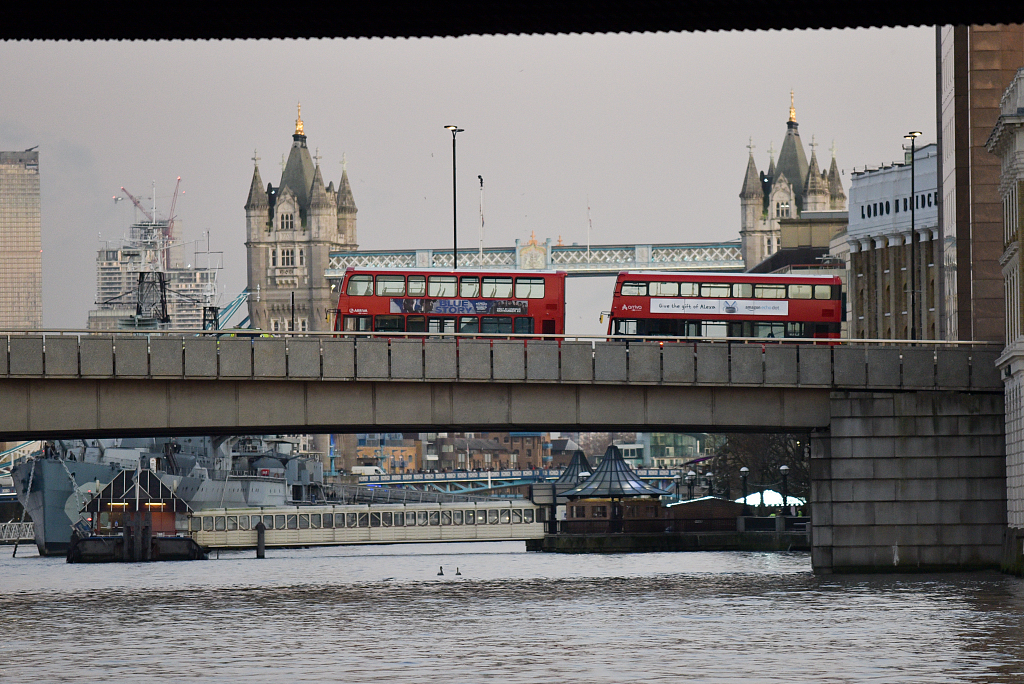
786 190
975 66
155 249
291 231
21 276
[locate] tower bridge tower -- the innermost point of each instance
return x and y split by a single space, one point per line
291 230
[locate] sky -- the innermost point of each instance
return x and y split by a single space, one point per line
642 136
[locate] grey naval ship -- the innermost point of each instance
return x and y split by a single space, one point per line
206 472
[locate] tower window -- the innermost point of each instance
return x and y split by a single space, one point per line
287 257
302 257
287 221
273 257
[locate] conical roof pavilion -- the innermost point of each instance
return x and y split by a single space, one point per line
613 479
571 474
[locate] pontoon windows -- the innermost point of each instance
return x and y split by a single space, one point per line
232 523
219 523
303 521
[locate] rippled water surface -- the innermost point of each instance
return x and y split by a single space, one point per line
383 614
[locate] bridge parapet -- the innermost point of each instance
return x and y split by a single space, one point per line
874 365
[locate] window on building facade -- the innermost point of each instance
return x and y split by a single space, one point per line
273 257
302 257
287 257
287 221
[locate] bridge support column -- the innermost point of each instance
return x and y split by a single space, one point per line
909 481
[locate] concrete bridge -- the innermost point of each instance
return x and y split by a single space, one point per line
907 456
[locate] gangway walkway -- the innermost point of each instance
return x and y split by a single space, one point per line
12 532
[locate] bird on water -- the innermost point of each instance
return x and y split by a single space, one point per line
440 570
457 572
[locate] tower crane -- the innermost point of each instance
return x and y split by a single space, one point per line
138 204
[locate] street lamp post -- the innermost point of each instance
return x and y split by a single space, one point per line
785 489
679 486
744 471
455 220
710 481
912 136
691 478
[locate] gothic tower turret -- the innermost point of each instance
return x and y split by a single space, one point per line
292 230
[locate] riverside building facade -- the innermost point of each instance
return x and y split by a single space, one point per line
879 242
21 278
1006 143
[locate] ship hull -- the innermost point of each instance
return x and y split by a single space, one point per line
51 486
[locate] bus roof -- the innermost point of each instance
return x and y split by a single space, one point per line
737 277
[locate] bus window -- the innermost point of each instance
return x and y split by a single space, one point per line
530 288
715 290
766 329
441 325
634 289
417 286
687 289
468 324
626 326
770 291
663 289
469 286
389 324
795 330
799 291
442 286
523 325
357 323
416 324
496 324
745 290
716 329
498 288
390 286
823 292
360 286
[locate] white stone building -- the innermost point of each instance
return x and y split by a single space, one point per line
878 239
1007 142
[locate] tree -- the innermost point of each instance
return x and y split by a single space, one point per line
764 454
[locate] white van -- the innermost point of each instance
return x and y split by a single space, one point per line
368 470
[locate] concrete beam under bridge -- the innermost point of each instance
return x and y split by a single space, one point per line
39 409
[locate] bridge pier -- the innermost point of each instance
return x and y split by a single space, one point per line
909 481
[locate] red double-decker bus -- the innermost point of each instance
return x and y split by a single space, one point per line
726 305
490 302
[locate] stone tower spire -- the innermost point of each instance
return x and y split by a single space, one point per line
792 159
346 212
837 198
816 191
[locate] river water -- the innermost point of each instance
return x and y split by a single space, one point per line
500 614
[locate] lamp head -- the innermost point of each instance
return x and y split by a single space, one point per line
912 134
744 470
784 469
454 129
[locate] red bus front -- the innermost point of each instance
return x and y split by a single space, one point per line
721 305
464 301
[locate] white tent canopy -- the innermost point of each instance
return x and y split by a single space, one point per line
771 498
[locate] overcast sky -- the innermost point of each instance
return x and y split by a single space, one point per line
653 128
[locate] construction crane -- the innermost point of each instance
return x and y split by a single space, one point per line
170 214
138 204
